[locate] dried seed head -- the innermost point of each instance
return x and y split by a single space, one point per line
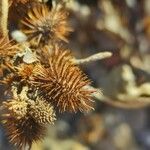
43 25
6 47
15 107
42 111
63 83
24 131
25 71
24 120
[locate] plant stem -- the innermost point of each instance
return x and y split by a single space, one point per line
3 17
95 57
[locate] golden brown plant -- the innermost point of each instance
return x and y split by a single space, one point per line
24 71
6 47
23 132
15 107
3 17
19 73
45 52
24 120
43 25
42 111
54 80
63 83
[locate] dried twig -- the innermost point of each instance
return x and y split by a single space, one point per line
95 57
3 17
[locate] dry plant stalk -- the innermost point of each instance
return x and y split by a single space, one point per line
95 57
3 17
54 81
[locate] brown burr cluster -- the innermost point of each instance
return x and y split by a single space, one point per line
51 82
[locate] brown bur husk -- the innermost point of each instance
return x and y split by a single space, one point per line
24 120
43 26
63 83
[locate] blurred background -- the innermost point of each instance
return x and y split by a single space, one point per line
121 118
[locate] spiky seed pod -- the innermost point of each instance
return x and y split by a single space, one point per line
42 111
21 126
15 107
6 47
63 83
43 25
24 131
